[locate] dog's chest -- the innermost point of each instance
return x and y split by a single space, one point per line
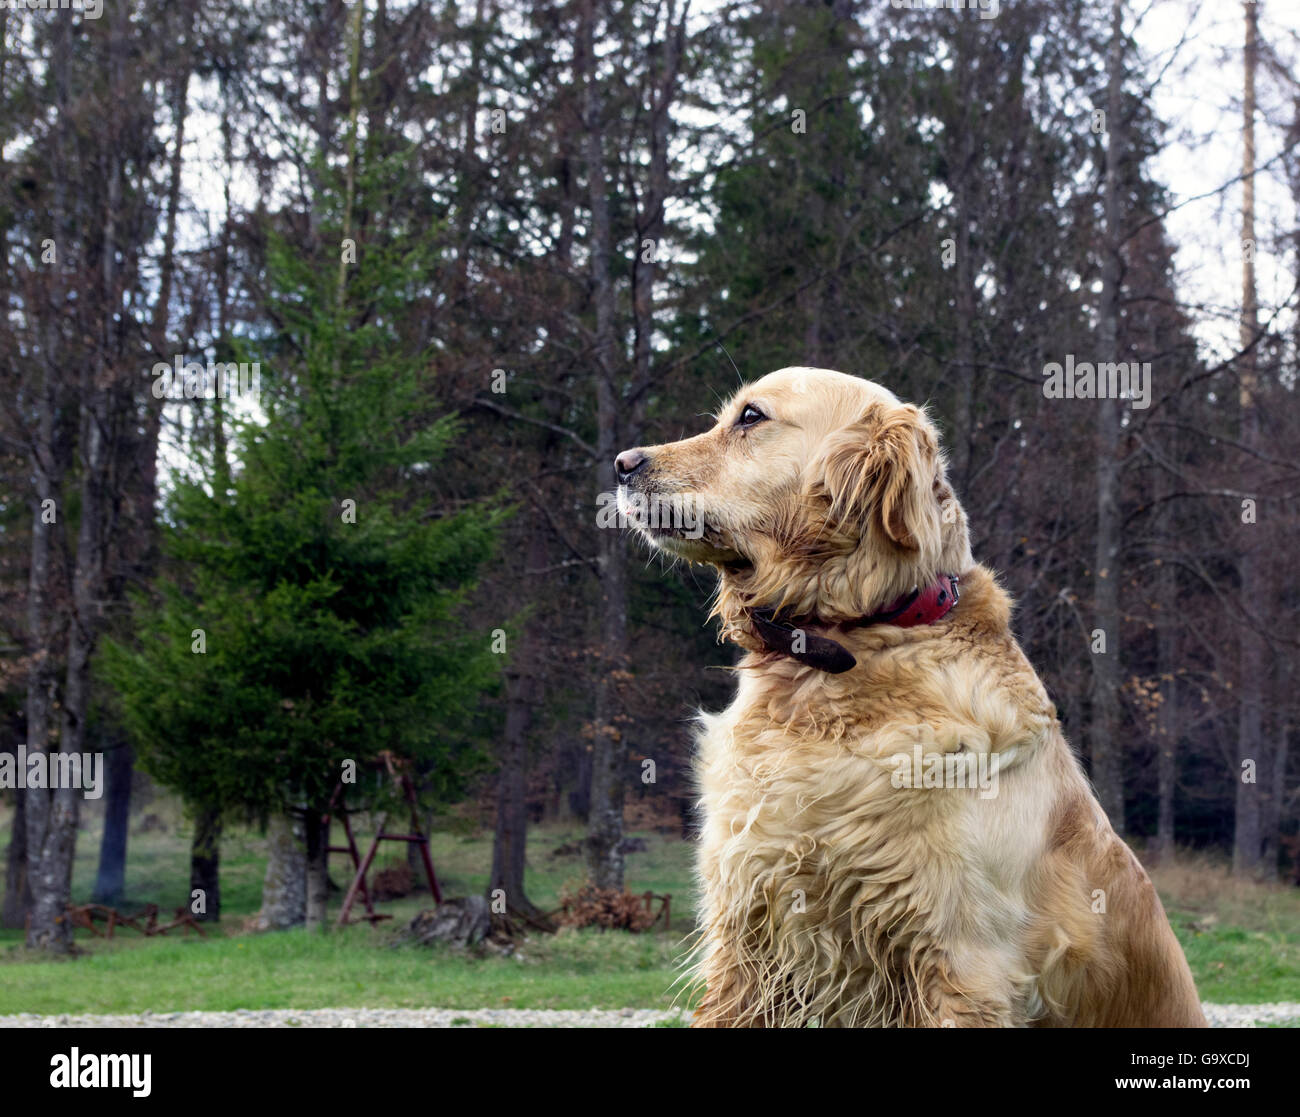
816 864
787 821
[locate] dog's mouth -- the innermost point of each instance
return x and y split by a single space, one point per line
675 522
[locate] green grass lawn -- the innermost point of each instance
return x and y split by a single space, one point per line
1236 966
1242 941
356 965
352 967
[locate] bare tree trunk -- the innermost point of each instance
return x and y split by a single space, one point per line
41 679
1107 774
18 894
604 844
576 804
467 187
110 881
205 865
159 326
52 880
1247 841
52 815
1168 628
317 887
41 630
1167 720
1273 785
966 182
619 412
1271 820
510 840
284 890
608 747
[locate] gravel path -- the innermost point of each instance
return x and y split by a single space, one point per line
1220 1016
1251 1016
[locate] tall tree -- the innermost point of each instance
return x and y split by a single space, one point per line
83 409
1104 736
1247 839
309 620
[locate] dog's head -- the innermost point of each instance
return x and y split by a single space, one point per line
817 493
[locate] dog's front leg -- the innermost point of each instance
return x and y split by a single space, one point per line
962 1012
727 1001
951 1000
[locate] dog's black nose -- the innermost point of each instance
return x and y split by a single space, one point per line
627 463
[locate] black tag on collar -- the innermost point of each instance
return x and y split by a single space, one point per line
816 651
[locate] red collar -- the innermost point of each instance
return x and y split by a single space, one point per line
921 606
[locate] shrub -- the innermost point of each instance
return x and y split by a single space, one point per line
607 908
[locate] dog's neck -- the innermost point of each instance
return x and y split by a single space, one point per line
924 605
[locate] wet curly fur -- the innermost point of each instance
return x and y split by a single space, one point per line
831 895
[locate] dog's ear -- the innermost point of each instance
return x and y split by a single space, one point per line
882 471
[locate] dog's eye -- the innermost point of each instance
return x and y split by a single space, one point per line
750 416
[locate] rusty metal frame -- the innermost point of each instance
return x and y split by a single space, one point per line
85 915
398 772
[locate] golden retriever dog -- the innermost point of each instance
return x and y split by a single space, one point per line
894 830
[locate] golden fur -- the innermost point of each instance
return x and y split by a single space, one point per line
830 893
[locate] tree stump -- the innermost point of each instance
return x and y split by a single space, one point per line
459 920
